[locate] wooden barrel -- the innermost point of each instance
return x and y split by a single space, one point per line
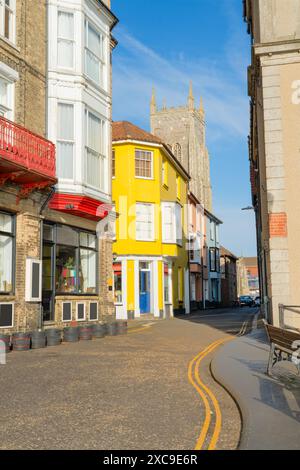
38 340
53 337
21 341
4 343
71 335
112 329
99 330
122 327
85 332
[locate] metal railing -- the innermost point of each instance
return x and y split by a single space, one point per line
288 308
26 149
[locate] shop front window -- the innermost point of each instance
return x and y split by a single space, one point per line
7 244
75 258
118 283
166 284
66 272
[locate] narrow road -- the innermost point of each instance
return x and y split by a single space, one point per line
151 389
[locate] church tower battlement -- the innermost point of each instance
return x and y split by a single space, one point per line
183 128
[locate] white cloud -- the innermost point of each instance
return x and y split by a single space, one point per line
137 68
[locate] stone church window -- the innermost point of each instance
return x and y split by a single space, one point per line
177 151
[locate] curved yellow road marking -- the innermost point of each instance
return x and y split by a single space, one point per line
218 414
202 389
196 361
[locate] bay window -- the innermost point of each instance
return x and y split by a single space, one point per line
65 141
144 222
7 252
65 39
95 151
172 223
94 54
7 19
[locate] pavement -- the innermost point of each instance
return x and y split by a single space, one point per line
270 406
126 392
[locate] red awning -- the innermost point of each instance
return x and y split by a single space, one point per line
80 206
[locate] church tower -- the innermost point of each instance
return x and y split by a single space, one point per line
183 129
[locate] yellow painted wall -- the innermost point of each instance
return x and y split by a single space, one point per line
127 190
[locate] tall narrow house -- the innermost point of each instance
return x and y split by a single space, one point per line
27 161
77 266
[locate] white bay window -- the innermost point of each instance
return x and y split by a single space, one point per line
94 54
171 223
65 39
65 141
95 151
144 222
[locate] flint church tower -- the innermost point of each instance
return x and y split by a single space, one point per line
183 129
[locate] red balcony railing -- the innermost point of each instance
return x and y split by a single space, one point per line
26 150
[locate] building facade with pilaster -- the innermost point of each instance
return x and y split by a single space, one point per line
274 90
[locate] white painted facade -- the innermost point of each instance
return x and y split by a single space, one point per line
79 101
122 307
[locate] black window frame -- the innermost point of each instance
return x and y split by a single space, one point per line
77 247
12 235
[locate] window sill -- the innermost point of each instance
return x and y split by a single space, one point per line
10 43
144 178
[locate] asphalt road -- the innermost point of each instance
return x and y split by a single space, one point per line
127 392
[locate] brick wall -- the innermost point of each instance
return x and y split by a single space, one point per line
28 58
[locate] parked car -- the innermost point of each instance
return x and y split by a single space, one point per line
257 301
246 301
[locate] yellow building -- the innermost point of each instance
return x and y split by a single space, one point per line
150 189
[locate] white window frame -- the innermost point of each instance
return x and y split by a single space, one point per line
12 11
171 205
102 155
12 315
101 58
212 231
28 280
10 76
177 226
151 239
62 312
64 39
84 311
152 166
67 141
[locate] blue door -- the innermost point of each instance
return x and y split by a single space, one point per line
145 304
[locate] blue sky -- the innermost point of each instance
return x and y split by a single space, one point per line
166 43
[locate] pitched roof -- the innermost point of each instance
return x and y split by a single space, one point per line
124 130
225 252
250 261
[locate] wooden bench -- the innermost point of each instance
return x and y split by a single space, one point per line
285 345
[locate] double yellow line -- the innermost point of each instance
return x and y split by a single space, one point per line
206 395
